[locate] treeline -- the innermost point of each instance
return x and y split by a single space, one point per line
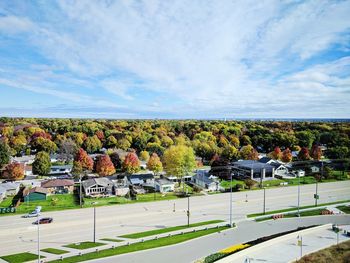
228 139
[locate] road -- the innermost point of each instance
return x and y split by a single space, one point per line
202 247
18 234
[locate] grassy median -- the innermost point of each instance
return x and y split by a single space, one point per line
20 257
169 229
149 244
54 251
84 245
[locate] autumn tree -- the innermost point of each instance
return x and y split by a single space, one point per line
248 153
144 156
41 164
303 154
316 152
84 160
287 156
179 160
111 142
18 143
229 152
92 144
13 171
104 165
67 150
276 154
131 163
154 164
42 144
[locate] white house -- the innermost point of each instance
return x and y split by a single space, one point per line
164 185
61 169
206 181
98 186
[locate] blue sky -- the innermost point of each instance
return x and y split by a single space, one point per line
175 59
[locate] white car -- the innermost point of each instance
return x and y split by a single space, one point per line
32 214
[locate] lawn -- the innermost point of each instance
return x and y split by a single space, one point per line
316 212
54 251
336 253
274 182
169 229
149 244
344 208
20 257
111 239
84 245
226 184
294 208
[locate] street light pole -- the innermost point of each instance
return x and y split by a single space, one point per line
316 195
94 204
298 196
80 190
38 222
188 211
231 202
264 210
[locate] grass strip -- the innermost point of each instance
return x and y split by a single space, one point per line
54 251
169 229
112 239
84 245
295 208
316 212
149 244
20 257
344 208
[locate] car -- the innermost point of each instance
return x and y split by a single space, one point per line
44 220
32 214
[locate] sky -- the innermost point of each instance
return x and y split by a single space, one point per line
175 59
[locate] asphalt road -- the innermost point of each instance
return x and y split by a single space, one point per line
18 234
199 248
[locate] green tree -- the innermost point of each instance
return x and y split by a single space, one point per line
4 154
42 163
179 160
229 153
248 153
92 144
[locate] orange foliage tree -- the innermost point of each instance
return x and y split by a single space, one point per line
104 165
13 171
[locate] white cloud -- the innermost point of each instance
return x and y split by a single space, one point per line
220 56
13 24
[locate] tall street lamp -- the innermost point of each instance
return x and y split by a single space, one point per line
264 210
298 195
231 201
38 222
94 204
188 211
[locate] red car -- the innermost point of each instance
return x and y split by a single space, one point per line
44 220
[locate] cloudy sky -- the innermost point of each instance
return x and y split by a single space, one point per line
175 59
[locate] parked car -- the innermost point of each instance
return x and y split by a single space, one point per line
32 214
44 220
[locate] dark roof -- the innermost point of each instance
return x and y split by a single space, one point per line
264 160
103 181
141 176
164 181
250 164
38 190
57 183
204 178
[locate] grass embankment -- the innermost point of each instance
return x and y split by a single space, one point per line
54 251
169 229
316 212
84 245
20 257
344 208
295 208
336 253
149 244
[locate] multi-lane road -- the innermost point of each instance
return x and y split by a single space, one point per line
18 234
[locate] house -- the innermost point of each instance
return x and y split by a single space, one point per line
266 160
315 169
175 179
26 159
164 185
121 191
253 169
98 186
35 194
58 186
31 182
203 179
60 169
142 179
11 188
28 170
119 180
2 194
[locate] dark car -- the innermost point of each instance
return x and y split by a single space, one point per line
44 220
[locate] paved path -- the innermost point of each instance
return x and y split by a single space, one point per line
18 234
285 249
199 248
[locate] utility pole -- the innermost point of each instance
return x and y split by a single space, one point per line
94 204
80 190
316 195
38 222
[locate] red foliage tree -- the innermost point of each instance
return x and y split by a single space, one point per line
131 163
276 154
316 152
287 156
84 159
104 165
42 134
303 154
100 135
13 171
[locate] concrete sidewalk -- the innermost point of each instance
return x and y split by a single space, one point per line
287 249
